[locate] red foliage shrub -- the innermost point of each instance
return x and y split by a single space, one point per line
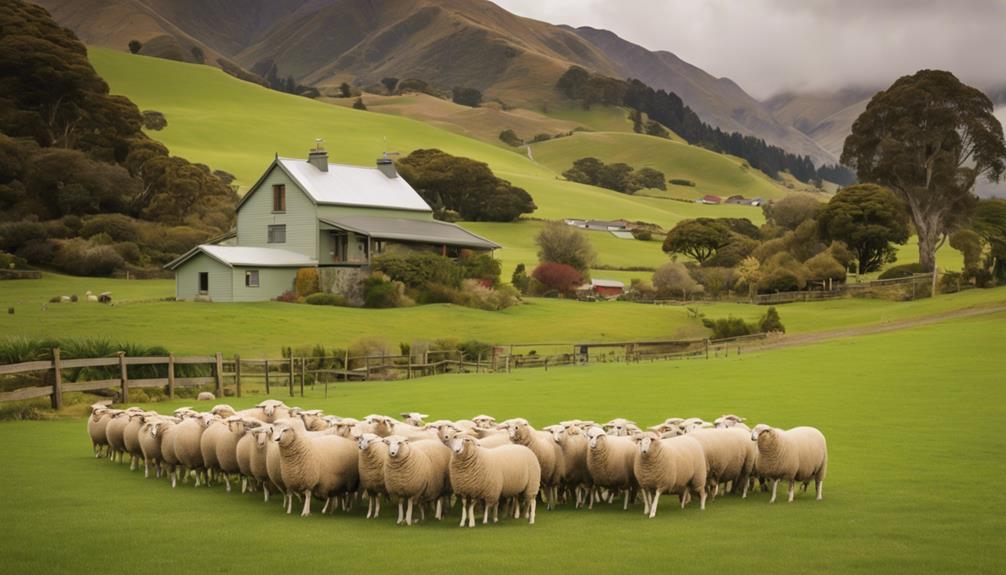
561 278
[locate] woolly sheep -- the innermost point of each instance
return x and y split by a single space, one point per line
730 420
610 460
215 430
619 426
676 465
491 475
372 456
131 436
798 454
169 456
226 446
90 296
258 460
573 443
114 432
96 427
273 410
150 437
387 426
484 421
324 466
547 451
205 396
187 440
243 454
417 472
729 454
414 418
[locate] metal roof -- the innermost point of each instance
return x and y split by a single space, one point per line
246 256
607 283
426 231
346 185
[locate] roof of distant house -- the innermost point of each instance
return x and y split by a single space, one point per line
607 283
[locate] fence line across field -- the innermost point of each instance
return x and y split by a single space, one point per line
294 373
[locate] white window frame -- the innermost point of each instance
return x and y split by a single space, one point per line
249 274
270 233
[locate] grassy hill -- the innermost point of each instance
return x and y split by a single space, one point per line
893 499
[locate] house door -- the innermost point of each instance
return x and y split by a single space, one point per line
204 282
340 241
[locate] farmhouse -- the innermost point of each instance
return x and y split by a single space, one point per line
313 214
709 199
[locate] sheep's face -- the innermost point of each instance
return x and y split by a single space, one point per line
414 418
269 407
262 436
558 432
365 440
595 435
283 435
397 445
97 413
644 442
154 428
446 433
463 446
726 421
484 421
759 431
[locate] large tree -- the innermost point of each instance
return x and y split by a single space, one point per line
699 238
928 138
868 219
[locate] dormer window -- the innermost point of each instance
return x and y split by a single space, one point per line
279 198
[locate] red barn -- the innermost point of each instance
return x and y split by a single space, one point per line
607 288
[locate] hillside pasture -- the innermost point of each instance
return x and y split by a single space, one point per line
895 499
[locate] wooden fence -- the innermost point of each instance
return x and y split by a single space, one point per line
293 373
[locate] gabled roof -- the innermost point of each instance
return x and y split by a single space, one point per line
426 231
607 283
232 256
344 185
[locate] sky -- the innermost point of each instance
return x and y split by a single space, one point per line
772 46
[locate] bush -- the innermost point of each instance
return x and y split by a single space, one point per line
520 279
951 282
902 271
682 182
562 244
380 291
672 280
416 270
770 322
642 234
474 349
466 96
640 290
782 272
556 277
358 104
325 298
154 120
79 257
715 280
481 266
306 282
289 296
824 266
510 138
792 210
724 328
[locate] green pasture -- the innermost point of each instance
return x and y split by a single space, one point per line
915 456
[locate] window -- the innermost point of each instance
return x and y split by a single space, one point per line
277 234
279 198
251 278
204 282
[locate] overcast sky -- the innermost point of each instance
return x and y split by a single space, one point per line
768 46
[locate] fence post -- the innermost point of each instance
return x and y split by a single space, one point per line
57 381
219 391
290 374
409 374
171 376
707 347
303 367
237 373
123 377
367 360
267 377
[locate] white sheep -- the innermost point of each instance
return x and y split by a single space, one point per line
131 436
373 455
490 475
272 410
610 460
385 426
798 454
169 458
150 438
417 472
243 454
730 420
548 452
186 443
324 466
676 465
573 443
258 460
215 429
620 427
730 457
414 418
115 430
205 396
484 421
90 296
226 447
97 425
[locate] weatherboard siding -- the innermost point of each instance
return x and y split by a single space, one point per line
300 217
187 279
327 211
272 282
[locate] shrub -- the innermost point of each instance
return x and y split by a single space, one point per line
770 322
380 291
474 349
520 279
793 210
438 293
358 104
79 257
289 296
480 266
782 272
510 138
642 234
418 269
673 280
824 266
682 182
715 280
728 327
325 298
466 96
902 271
154 120
541 138
640 290
306 282
562 244
950 282
556 277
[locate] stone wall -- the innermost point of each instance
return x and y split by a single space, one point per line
347 282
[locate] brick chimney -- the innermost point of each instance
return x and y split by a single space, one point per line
387 167
318 157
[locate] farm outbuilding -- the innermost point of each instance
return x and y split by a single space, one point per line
235 273
607 288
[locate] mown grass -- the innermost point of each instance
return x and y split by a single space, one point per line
263 328
912 419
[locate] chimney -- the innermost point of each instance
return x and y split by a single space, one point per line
318 157
387 167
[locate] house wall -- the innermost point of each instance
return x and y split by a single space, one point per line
272 282
187 279
301 219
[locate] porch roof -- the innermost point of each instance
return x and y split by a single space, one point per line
402 229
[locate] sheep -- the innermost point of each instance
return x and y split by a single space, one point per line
131 436
610 461
320 465
493 474
243 455
114 431
105 297
417 472
258 459
414 418
729 457
271 411
547 451
226 447
169 458
187 444
313 419
215 429
573 443
373 454
487 437
96 427
798 454
729 420
675 465
90 296
205 396
484 421
620 427
386 426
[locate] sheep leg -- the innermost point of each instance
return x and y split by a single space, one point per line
377 505
819 487
370 506
437 513
307 504
288 499
132 466
531 509
775 484
227 481
653 503
324 508
496 512
744 490
174 477
515 504
146 468
464 510
399 522
471 512
408 513
791 490
625 504
646 502
702 499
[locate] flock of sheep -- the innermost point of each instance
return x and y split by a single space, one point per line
306 454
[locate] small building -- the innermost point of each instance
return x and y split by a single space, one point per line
313 214
710 199
597 225
607 288
737 199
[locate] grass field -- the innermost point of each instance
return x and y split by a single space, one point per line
912 420
261 329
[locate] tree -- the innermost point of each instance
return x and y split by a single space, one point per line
154 120
969 243
358 104
519 279
389 84
564 244
749 274
649 178
792 210
345 90
928 138
672 279
990 222
770 322
698 238
510 138
556 277
868 219
466 96
198 56
135 46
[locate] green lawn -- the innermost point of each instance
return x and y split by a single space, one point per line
915 449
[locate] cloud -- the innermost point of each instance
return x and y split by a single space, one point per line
771 46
